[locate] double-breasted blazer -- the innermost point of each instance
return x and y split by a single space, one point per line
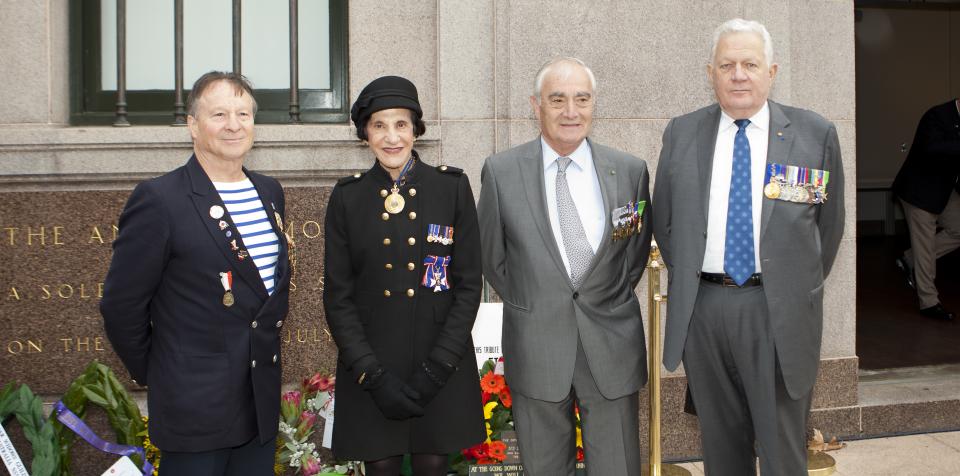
212 371
798 241
543 314
379 308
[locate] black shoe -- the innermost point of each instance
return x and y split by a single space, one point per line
937 312
907 273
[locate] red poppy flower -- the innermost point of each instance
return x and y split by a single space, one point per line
498 450
505 398
484 397
579 454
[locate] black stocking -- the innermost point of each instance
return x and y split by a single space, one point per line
429 464
389 466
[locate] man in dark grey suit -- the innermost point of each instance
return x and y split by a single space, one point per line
566 271
749 197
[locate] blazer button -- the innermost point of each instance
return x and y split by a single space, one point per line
383 193
388 266
413 215
253 324
576 294
410 293
280 323
386 293
698 274
253 364
386 241
274 358
411 266
413 192
411 241
385 216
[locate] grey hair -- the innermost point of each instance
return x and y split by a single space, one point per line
739 25
548 66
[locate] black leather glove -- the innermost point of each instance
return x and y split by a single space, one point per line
395 399
429 378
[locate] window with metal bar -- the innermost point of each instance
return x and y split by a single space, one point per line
131 60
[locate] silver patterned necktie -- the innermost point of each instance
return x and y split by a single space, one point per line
579 252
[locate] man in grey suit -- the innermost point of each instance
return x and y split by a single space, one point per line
566 271
749 197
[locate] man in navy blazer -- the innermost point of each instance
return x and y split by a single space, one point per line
197 292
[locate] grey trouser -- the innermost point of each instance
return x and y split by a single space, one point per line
743 406
927 245
547 436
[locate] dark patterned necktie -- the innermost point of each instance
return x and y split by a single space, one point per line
578 250
738 253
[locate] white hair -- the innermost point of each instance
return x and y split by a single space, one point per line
548 67
739 25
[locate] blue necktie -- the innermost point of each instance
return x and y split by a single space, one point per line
738 259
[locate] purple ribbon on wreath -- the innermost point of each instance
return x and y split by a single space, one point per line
78 426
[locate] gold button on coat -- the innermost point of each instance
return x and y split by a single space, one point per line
410 292
413 215
386 292
411 266
412 241
389 266
385 216
253 324
386 241
383 193
413 192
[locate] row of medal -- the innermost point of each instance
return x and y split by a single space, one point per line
440 234
627 220
791 183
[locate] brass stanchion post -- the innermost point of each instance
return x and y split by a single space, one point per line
655 300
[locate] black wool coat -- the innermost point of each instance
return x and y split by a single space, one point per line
376 306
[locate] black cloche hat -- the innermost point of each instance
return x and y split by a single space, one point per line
386 92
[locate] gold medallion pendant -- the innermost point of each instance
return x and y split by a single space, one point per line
394 202
228 299
772 190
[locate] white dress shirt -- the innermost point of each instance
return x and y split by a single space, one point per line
585 190
758 134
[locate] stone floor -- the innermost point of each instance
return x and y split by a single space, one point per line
929 454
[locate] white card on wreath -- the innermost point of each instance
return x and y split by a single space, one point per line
11 460
487 330
123 467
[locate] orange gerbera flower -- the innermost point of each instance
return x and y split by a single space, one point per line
492 383
505 398
498 450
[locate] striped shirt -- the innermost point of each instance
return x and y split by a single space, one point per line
256 230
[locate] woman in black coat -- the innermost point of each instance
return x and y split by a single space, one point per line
402 289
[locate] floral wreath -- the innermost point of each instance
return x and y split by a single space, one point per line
498 417
98 385
28 409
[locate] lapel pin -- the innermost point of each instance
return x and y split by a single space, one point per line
216 212
233 245
242 254
780 134
229 233
223 224
613 172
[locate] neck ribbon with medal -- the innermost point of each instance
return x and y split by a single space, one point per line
394 202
